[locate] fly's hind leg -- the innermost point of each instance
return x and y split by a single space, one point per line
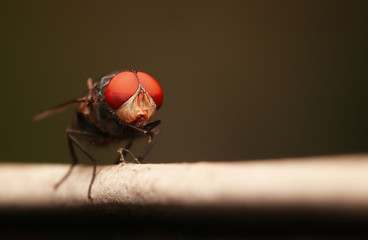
74 162
73 141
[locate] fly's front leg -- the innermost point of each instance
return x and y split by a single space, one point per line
127 147
152 134
152 139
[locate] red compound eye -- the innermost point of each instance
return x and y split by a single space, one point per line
152 87
120 88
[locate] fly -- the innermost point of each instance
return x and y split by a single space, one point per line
117 107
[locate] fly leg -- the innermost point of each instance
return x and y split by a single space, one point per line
73 141
84 150
152 134
127 147
74 162
152 139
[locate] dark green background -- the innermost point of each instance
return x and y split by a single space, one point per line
241 79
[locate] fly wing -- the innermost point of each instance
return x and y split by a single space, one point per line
58 108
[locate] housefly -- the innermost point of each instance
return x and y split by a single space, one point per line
116 108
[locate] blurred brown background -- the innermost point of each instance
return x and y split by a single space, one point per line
241 79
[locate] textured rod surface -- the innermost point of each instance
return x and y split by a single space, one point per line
334 181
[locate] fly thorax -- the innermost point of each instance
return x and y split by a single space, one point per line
84 108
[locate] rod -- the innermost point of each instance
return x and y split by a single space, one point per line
339 182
